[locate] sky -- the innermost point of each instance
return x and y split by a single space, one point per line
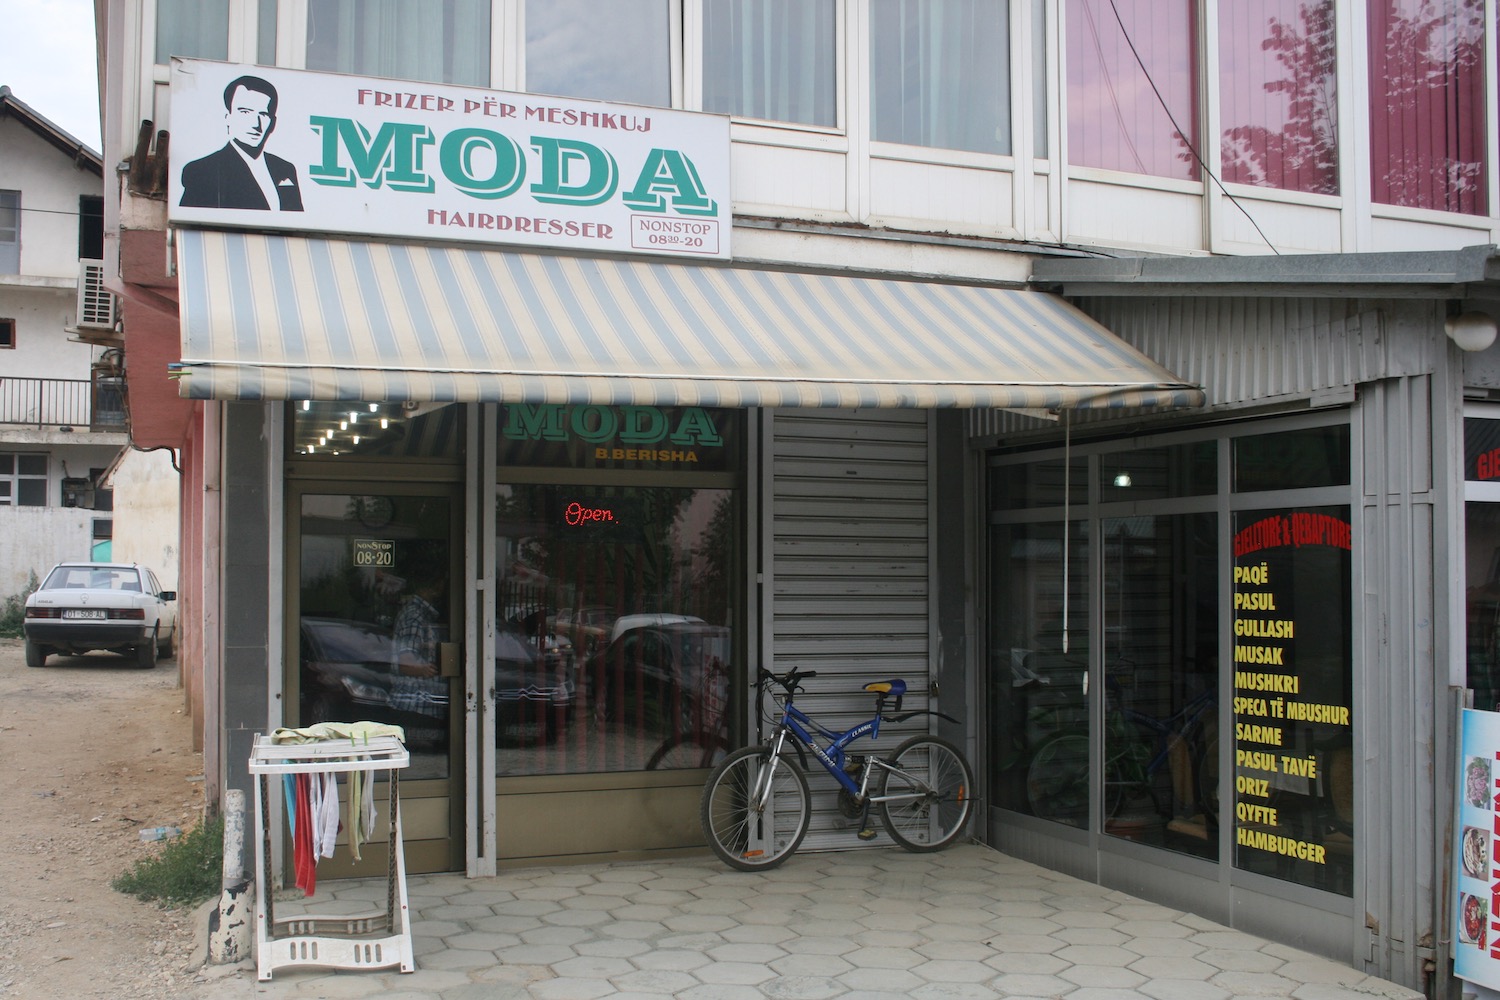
47 61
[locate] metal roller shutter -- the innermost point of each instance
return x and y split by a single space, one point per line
848 574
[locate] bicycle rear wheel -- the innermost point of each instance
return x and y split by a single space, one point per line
754 838
1057 781
940 786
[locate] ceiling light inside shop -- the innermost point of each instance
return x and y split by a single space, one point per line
1122 479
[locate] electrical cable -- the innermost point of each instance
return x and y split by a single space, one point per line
1203 164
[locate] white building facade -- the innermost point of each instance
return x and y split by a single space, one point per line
60 429
1119 374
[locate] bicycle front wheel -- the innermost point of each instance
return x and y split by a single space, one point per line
933 789
749 825
688 750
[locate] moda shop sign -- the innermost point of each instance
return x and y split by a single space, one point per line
320 152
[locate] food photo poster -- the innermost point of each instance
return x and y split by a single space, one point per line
1476 948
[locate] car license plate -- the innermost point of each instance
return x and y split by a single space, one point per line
83 613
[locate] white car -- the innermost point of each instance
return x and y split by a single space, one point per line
85 606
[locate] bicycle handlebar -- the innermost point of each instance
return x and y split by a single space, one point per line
790 681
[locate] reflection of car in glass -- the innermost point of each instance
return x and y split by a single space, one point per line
586 628
348 673
86 606
625 623
536 628
534 692
671 676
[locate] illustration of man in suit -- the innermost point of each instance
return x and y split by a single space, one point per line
243 174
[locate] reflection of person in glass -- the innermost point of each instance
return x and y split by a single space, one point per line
242 174
415 636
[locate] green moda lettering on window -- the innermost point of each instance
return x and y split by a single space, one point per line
457 158
597 424
391 158
574 173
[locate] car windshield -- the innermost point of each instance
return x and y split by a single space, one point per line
349 642
119 578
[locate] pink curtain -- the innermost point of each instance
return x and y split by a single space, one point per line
1115 119
1277 94
1427 104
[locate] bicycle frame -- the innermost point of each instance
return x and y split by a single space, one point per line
1173 730
832 756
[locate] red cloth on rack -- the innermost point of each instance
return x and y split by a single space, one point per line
304 861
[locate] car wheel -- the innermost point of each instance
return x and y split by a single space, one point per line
36 656
145 653
166 647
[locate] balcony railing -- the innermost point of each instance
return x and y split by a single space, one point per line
63 402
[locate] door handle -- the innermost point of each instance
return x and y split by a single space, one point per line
449 661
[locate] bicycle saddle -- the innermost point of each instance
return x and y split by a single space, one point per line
895 688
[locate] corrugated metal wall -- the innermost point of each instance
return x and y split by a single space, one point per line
847 572
1252 350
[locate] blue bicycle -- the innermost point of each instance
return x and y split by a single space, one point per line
756 805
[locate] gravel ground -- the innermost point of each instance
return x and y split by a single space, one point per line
94 749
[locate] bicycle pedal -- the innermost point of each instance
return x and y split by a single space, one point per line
866 834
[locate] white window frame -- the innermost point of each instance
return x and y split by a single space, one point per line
15 477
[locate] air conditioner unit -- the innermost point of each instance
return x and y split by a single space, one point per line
96 304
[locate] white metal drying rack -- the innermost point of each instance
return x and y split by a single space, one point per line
344 941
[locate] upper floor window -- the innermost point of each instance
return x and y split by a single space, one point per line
23 480
442 41
1121 54
90 227
1427 104
1278 97
10 232
608 50
193 29
771 59
940 73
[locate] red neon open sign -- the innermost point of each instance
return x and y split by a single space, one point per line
576 513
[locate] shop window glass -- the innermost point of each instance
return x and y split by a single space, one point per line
1161 641
1481 450
1277 72
1428 104
607 50
1317 456
940 73
1038 696
192 29
1186 470
444 41
375 608
770 59
615 627
1482 602
1039 484
1293 691
345 430
1115 120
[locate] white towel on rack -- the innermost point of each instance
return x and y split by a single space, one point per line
325 813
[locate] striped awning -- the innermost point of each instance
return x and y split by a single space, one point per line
285 317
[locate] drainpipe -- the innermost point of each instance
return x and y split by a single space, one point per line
229 925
